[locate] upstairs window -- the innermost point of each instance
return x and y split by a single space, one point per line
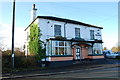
77 32
57 30
92 34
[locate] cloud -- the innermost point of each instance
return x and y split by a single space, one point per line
6 36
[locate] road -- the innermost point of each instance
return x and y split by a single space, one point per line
110 73
99 73
81 73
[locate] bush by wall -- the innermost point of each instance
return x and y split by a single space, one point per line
21 61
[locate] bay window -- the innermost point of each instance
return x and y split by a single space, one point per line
61 48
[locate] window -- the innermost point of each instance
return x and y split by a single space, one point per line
57 30
77 32
91 34
97 48
61 48
77 50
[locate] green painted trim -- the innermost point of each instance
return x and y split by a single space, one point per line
96 55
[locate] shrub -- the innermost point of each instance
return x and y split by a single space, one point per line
25 62
21 61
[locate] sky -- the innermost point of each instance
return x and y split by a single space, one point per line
103 14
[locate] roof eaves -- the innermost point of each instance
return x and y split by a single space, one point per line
68 20
31 23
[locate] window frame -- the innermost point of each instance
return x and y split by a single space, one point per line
92 34
76 33
67 48
59 30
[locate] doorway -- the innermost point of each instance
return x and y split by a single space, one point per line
78 53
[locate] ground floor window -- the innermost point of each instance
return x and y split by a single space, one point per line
97 48
61 48
90 50
96 51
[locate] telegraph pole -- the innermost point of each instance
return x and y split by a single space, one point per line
13 26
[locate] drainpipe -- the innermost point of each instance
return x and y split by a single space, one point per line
45 52
92 50
45 55
72 47
65 29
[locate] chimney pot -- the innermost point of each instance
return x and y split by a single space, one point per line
33 6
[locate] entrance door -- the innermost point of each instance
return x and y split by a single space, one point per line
78 53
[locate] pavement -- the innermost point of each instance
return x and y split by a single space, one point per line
79 66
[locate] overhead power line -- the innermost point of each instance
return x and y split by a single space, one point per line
107 19
80 9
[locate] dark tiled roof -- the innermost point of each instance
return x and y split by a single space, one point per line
65 20
68 21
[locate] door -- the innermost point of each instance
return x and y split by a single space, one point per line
78 53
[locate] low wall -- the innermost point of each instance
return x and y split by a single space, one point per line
95 57
61 58
53 64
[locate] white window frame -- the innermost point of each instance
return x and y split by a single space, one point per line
60 30
77 33
58 46
92 36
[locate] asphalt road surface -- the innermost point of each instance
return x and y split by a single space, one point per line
79 72
92 74
99 73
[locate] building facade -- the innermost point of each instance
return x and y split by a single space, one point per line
67 39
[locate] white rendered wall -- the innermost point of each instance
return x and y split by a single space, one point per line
47 29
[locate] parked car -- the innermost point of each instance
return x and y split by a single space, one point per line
117 54
107 53
113 55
